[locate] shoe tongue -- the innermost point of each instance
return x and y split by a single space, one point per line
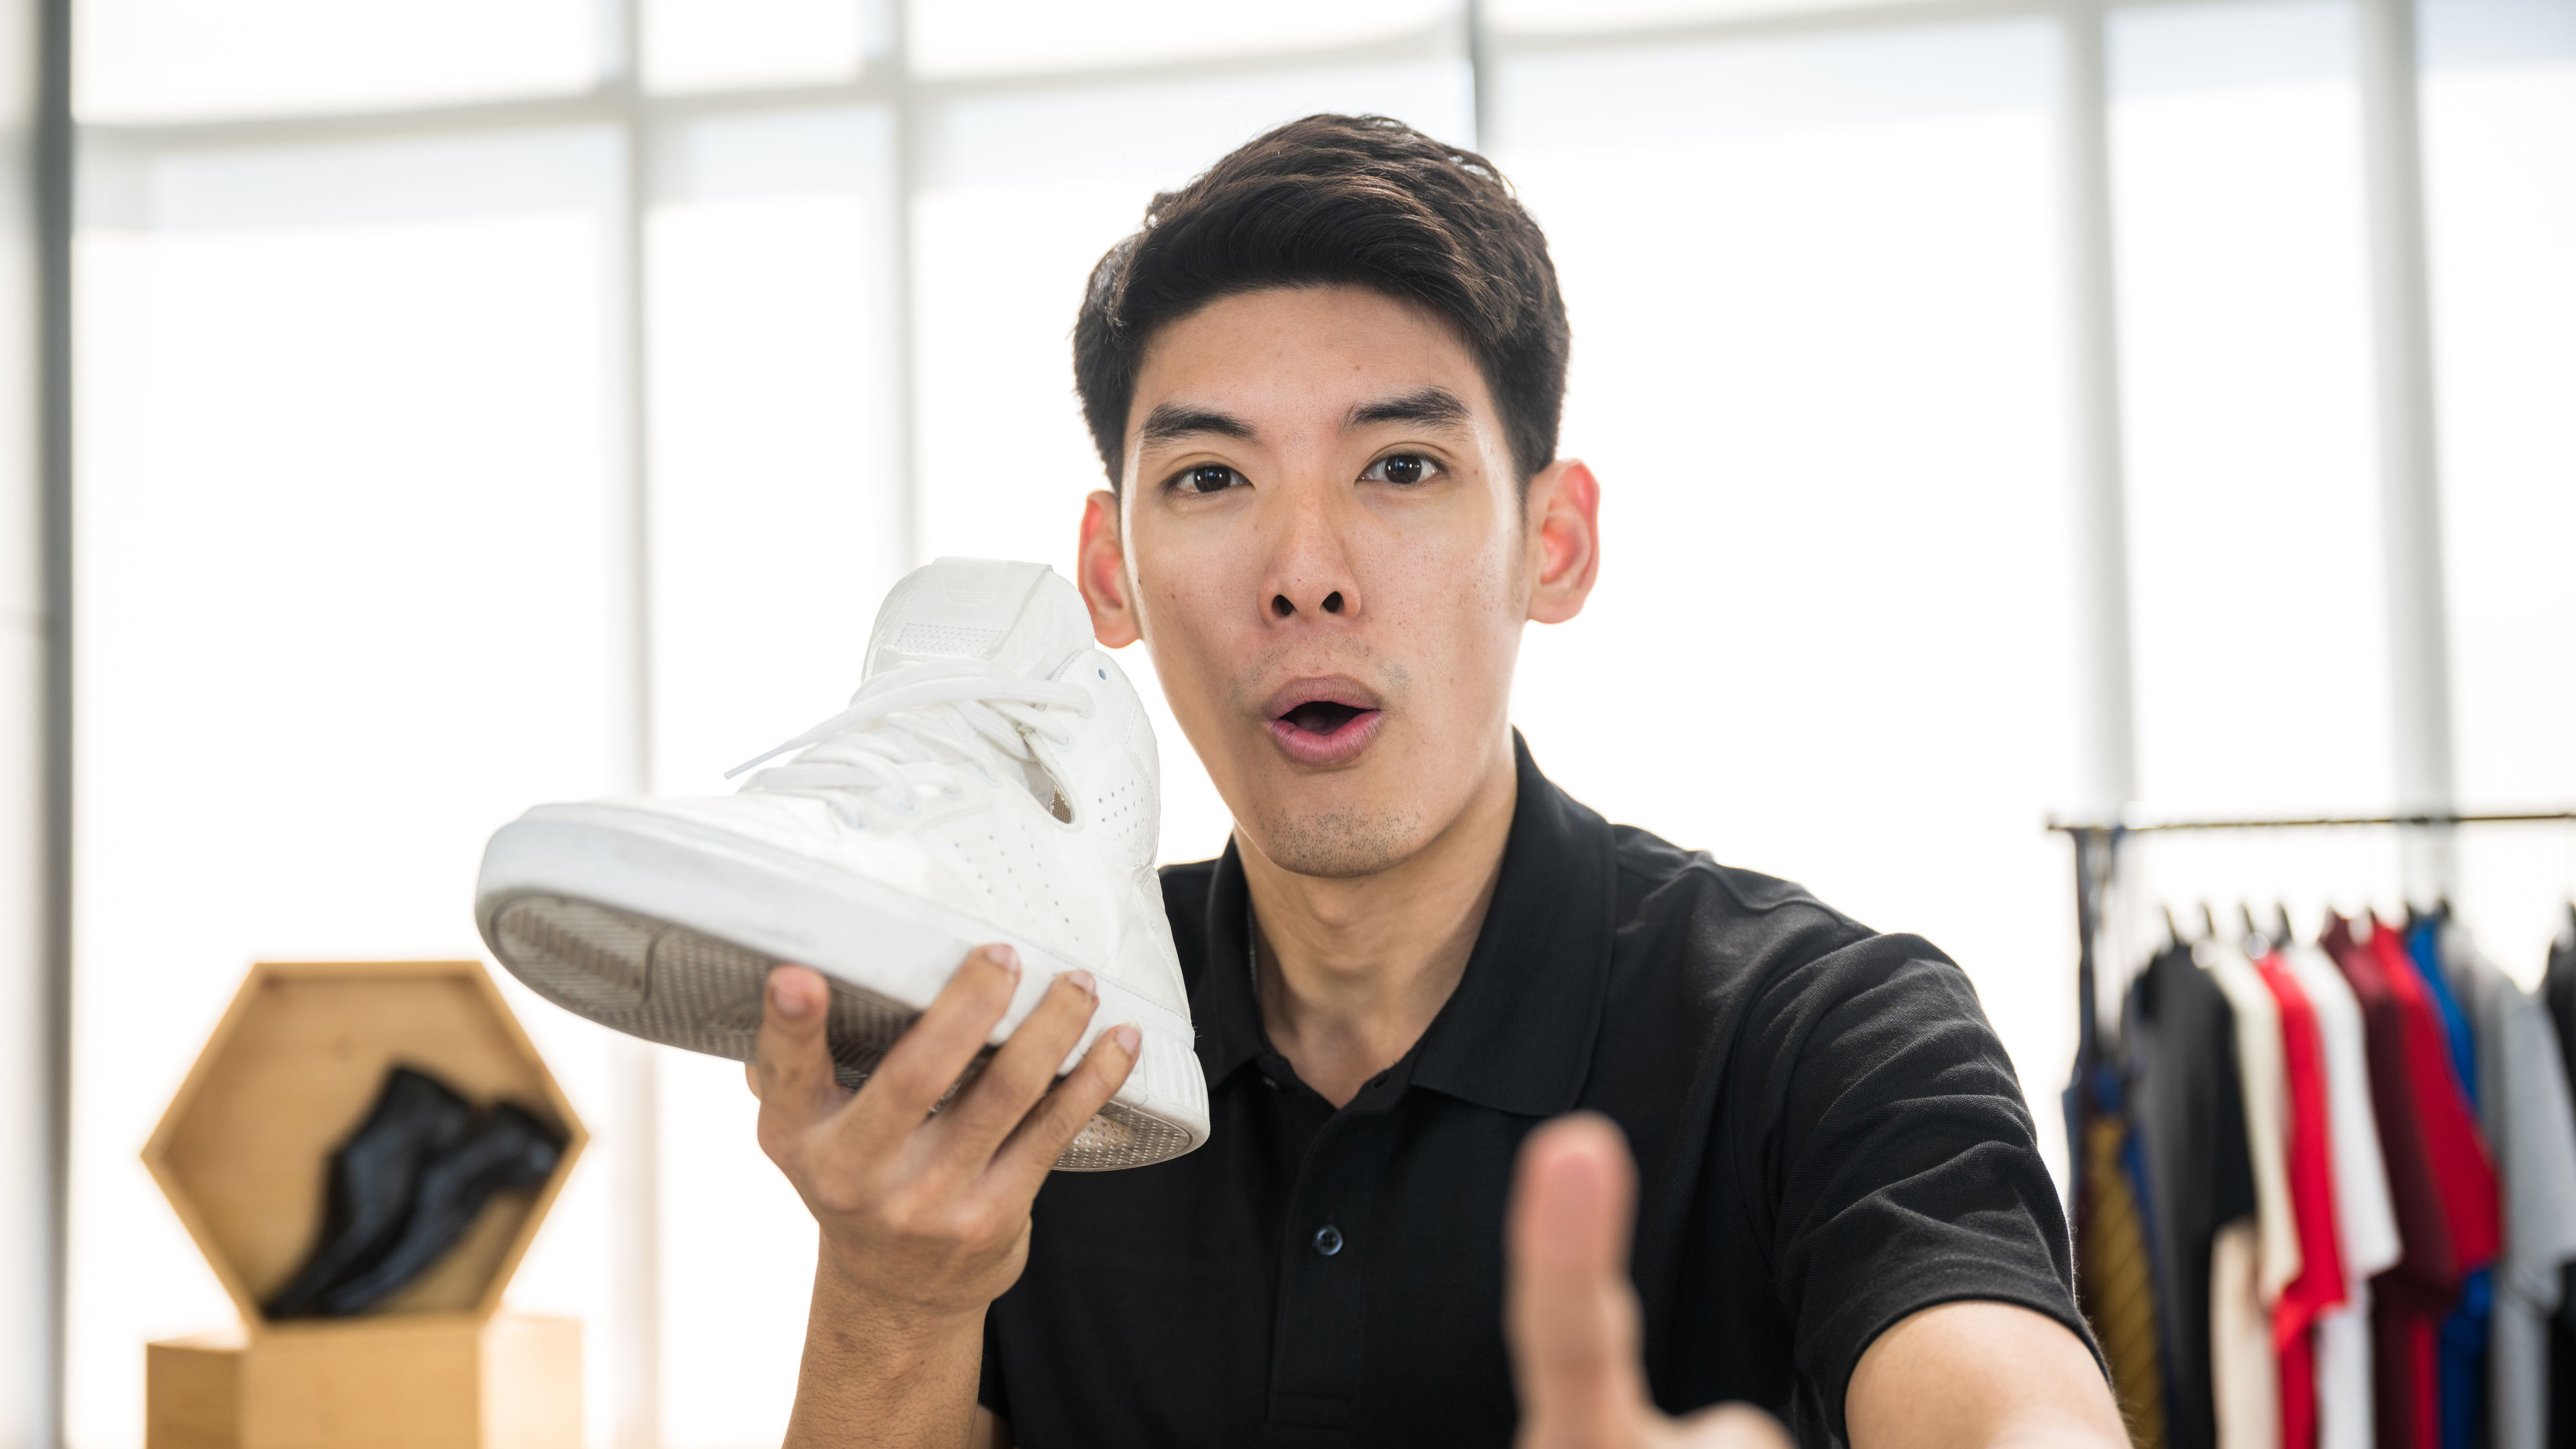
1021 616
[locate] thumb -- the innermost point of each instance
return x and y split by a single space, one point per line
791 1063
1569 1311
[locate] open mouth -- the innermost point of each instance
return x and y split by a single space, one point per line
1322 716
1325 722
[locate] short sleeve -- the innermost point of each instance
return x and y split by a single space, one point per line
1900 1162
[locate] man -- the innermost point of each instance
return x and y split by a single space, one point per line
1439 1003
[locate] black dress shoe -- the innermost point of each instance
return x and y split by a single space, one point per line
374 1180
508 1149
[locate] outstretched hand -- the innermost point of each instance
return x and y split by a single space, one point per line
1571 1315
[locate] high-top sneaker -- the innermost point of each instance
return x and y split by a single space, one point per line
994 779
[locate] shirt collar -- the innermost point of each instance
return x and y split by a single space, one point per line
1517 1034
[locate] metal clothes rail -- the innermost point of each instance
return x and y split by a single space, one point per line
2097 844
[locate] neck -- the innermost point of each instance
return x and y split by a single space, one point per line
1353 969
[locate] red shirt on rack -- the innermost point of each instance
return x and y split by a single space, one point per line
2438 1174
2320 1284
2463 1173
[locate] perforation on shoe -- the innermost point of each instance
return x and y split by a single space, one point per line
951 639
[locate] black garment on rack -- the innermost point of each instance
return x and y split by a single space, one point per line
2180 1054
2558 992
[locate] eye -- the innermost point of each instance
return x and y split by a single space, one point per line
1401 469
1207 478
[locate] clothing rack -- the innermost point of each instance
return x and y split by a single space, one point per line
2097 844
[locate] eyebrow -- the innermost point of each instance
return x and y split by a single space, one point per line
1171 422
1436 406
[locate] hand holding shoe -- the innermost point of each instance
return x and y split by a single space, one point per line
1570 1313
924 1215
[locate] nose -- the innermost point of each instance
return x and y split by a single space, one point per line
1310 571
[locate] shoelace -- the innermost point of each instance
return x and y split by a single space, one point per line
913 726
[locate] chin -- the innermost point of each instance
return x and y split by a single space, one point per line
1336 843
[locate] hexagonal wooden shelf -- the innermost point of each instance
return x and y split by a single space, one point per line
244 1153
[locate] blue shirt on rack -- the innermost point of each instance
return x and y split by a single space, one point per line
2463 1355
2423 948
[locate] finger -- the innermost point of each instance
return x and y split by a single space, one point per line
931 1054
1030 1152
791 1065
1569 1311
1019 1074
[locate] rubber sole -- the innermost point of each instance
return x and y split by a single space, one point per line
669 984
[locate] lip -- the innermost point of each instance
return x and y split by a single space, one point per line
1342 744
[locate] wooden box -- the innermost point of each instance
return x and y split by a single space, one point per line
397 1381
243 1154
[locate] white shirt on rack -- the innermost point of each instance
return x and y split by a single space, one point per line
2365 1215
2244 1382
2266 1082
2244 1372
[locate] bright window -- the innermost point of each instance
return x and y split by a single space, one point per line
329 636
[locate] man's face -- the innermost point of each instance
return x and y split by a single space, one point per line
1322 541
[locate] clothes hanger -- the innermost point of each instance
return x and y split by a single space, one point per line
2336 920
2257 944
2200 944
2173 933
2288 936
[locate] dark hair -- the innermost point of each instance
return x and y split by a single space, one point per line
1356 199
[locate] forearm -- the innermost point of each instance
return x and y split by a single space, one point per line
877 1377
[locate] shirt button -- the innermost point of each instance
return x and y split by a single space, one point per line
1328 1240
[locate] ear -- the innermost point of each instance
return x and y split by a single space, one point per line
1565 540
1101 574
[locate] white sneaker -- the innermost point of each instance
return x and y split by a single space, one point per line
994 779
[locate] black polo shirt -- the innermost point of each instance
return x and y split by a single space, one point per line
1828 1137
